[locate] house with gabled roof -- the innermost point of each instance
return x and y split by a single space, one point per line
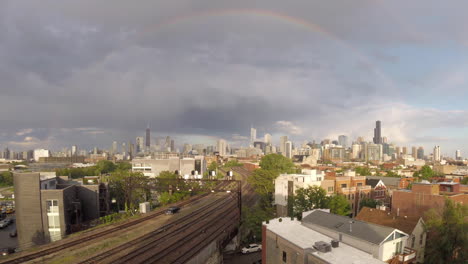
413 226
382 242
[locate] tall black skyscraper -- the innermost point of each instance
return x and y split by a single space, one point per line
377 133
148 136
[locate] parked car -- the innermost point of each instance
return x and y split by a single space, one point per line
7 251
14 233
10 210
4 223
172 210
251 248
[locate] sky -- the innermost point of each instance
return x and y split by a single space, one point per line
86 73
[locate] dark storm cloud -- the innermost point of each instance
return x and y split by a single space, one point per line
115 66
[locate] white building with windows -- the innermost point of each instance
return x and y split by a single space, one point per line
286 186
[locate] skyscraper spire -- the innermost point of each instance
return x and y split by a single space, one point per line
148 137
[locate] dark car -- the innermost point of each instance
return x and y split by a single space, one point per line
7 251
172 210
13 234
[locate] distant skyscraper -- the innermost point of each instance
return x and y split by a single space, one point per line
74 150
405 150
253 135
140 145
378 133
343 141
283 140
384 140
222 147
436 153
458 155
288 149
114 147
420 153
267 139
148 137
172 145
414 152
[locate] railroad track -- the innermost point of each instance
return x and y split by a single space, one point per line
159 241
93 236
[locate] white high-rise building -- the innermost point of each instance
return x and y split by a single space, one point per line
74 150
253 135
283 140
267 139
288 149
458 155
221 147
356 151
114 149
436 153
41 153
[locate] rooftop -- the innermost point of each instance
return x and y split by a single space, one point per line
373 233
379 217
305 238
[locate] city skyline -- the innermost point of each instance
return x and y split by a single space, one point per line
81 74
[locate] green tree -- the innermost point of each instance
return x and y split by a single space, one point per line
464 180
277 163
263 182
310 198
252 219
6 178
233 163
369 202
448 234
129 188
124 166
339 205
105 166
363 171
213 166
425 173
392 174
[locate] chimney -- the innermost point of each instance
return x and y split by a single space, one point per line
351 226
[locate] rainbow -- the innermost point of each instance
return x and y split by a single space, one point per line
284 18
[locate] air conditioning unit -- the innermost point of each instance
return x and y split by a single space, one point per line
322 246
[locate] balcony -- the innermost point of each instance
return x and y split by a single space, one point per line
348 190
408 256
364 188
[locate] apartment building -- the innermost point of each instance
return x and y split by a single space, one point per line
48 208
424 195
354 188
322 237
286 186
413 226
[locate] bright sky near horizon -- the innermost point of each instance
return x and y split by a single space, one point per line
89 72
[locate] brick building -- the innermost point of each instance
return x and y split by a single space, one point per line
424 196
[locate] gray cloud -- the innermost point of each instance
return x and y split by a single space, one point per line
115 66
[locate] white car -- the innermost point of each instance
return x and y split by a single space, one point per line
251 248
4 223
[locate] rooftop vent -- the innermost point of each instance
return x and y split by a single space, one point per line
335 243
322 246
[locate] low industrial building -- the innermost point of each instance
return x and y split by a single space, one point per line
49 207
152 167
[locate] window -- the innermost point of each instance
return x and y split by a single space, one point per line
412 241
284 256
330 189
352 196
52 206
343 185
359 184
421 239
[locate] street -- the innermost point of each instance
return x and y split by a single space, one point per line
5 239
239 258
